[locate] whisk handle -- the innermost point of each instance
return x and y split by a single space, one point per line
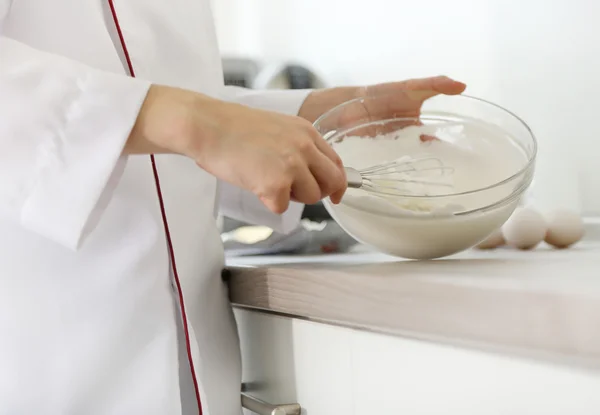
355 180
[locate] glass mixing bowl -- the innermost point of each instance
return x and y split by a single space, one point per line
456 219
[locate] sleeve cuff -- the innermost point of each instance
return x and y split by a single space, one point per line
81 164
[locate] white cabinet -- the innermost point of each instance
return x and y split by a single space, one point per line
499 332
335 370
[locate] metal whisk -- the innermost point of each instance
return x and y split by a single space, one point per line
401 177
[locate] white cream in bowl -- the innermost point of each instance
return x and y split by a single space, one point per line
489 175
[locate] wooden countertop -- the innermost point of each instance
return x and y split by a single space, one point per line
543 302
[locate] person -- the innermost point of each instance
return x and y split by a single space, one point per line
119 145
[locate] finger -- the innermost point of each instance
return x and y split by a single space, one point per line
324 147
330 176
329 152
432 85
277 203
440 84
276 194
336 197
305 188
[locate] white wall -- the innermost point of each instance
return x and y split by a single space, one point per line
539 58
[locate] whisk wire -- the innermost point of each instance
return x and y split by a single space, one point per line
395 177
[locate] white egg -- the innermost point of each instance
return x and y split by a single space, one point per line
525 229
565 228
495 240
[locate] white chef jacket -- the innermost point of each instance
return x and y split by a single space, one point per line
91 317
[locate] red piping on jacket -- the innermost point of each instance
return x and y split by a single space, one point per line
165 222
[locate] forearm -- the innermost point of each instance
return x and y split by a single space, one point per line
177 121
139 140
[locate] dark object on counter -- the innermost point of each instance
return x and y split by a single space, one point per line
299 77
225 274
239 71
316 212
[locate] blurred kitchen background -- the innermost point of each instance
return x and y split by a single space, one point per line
539 59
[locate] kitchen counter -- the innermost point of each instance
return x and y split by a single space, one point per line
543 303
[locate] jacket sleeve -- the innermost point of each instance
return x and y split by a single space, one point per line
239 204
63 126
